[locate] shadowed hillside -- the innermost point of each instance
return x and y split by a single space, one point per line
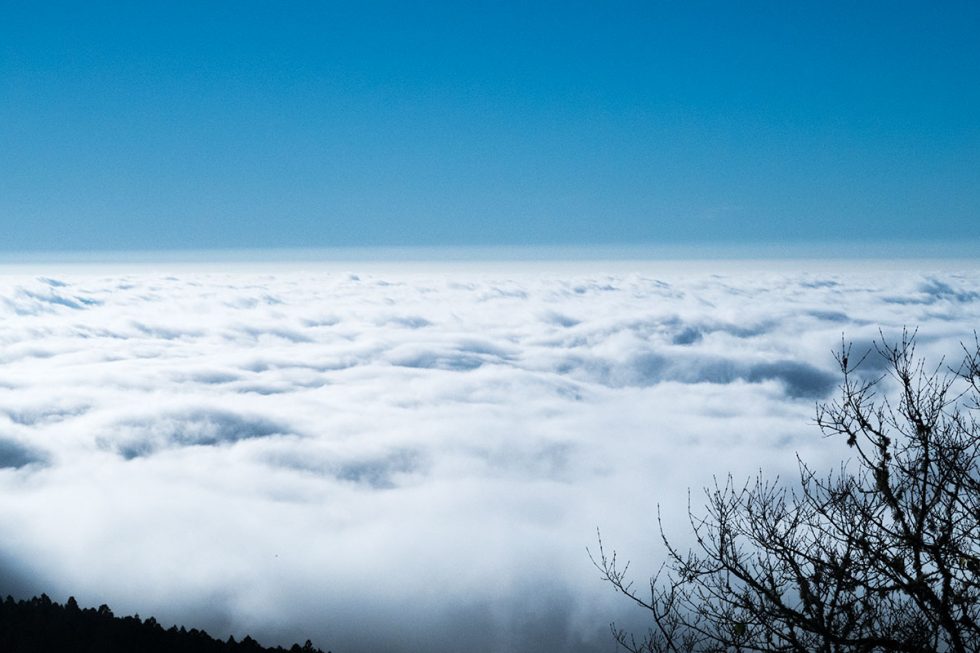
40 625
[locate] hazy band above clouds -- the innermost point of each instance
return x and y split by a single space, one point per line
407 461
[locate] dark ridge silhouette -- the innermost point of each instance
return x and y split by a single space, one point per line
39 625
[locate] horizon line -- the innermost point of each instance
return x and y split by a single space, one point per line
937 250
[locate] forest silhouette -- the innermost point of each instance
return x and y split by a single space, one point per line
40 625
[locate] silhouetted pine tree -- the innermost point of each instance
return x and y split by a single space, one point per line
39 625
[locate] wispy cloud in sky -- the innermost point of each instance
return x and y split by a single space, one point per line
405 461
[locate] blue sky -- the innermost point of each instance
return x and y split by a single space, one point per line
304 124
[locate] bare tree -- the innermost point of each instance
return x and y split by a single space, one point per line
882 554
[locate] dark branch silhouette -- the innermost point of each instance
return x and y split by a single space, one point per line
882 554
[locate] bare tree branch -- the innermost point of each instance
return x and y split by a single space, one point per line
882 554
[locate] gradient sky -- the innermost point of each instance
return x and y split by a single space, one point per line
297 124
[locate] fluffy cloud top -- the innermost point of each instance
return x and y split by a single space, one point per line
405 461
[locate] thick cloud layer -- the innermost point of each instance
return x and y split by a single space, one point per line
410 460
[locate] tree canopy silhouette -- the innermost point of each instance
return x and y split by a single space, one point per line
40 625
882 554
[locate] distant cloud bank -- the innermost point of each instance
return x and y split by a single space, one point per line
407 461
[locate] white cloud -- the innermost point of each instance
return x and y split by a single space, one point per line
404 460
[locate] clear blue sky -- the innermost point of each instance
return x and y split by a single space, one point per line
138 125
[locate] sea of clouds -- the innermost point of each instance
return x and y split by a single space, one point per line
414 459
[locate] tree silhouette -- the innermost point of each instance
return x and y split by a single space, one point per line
882 554
40 625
